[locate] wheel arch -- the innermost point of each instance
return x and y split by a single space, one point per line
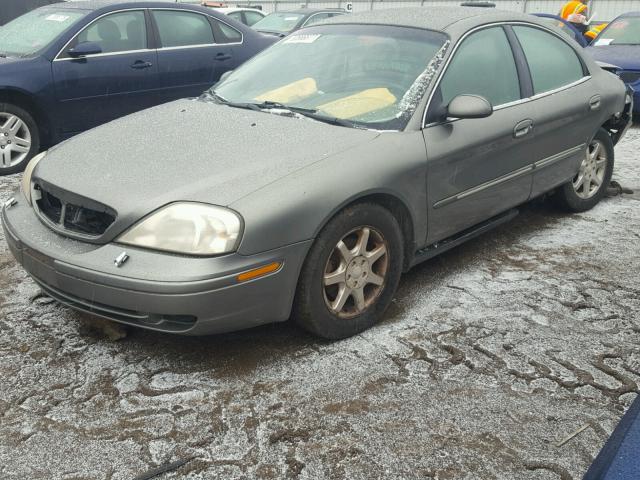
27 102
398 209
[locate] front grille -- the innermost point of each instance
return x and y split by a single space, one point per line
629 77
72 216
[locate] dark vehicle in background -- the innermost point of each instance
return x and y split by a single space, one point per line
619 44
415 130
69 67
248 16
283 23
10 9
564 26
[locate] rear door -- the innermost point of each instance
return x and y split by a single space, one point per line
191 58
478 168
97 88
565 108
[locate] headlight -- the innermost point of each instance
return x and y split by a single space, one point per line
25 184
187 228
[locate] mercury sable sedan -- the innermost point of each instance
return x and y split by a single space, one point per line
310 178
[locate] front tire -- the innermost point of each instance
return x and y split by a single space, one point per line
19 138
351 273
589 185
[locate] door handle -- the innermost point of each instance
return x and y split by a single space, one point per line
594 102
139 65
523 128
222 56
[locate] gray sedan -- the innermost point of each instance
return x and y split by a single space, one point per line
309 179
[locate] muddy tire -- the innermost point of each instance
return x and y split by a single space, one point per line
589 185
351 273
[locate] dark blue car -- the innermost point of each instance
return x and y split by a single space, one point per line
68 67
619 45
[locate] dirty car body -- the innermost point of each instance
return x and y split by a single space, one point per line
289 156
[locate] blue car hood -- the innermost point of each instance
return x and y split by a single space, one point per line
626 57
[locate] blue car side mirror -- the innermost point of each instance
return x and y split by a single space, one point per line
85 48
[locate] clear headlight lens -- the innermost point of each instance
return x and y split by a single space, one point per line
25 184
187 228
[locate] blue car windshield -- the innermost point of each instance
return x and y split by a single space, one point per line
35 30
366 76
622 31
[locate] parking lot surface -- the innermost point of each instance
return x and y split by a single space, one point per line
490 359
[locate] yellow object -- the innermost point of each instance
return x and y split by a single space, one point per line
290 93
259 272
363 102
595 31
571 8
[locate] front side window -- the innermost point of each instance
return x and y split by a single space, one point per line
182 29
281 22
252 17
35 30
483 65
317 18
553 63
118 32
367 75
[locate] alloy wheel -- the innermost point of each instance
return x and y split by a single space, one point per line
592 171
355 273
15 140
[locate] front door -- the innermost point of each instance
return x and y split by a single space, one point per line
121 79
477 168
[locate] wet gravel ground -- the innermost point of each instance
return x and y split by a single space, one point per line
489 357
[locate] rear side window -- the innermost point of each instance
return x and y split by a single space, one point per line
483 65
118 32
553 63
182 29
225 33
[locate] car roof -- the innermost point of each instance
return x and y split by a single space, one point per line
431 18
100 4
306 11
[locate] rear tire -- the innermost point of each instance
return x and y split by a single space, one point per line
351 273
19 138
589 185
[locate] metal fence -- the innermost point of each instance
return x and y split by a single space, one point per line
604 10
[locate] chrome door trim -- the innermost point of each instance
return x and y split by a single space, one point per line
545 162
504 105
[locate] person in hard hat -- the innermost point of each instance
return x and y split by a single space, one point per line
594 31
575 12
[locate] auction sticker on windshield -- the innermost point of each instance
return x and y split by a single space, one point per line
57 18
302 38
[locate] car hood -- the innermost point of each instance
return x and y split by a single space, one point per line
623 56
188 150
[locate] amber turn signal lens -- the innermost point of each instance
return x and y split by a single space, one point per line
259 272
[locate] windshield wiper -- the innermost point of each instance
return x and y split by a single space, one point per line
211 95
307 112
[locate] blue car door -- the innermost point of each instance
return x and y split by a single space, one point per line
194 51
121 79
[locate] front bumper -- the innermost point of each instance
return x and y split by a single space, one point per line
154 290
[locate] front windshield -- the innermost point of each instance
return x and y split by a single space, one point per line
35 30
370 76
623 31
282 22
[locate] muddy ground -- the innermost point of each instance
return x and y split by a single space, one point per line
490 356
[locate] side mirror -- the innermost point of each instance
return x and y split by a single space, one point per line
469 106
85 48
